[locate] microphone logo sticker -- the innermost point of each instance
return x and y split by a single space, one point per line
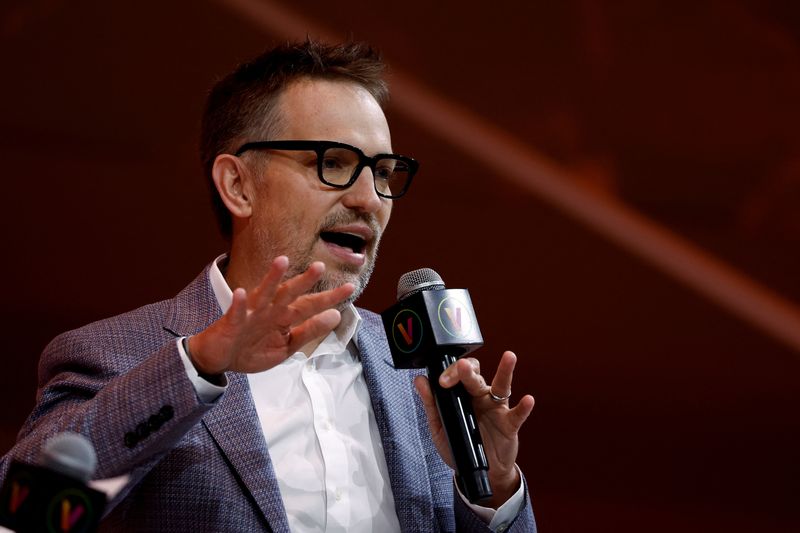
454 314
455 317
19 493
407 331
69 511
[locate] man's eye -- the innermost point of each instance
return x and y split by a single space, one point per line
331 163
384 172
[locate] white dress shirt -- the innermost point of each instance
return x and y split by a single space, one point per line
317 418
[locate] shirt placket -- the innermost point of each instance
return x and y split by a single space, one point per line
332 446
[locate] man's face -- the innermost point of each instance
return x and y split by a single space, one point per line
294 213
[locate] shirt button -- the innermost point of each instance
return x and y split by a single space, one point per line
501 528
326 426
338 495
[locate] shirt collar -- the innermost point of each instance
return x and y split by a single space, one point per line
345 332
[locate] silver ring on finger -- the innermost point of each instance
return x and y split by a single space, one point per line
285 332
499 399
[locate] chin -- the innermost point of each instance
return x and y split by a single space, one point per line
332 279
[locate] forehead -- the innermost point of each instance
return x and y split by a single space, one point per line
336 111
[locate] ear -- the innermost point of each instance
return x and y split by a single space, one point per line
230 177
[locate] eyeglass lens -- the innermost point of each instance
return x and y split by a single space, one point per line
339 165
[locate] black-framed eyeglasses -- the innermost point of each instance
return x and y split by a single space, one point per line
339 164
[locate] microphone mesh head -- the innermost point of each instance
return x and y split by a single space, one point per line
422 279
70 454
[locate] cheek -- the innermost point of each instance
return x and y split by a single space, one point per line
384 213
277 210
299 223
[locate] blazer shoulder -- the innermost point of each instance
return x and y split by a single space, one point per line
144 319
124 338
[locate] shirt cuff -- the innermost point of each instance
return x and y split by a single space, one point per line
498 519
206 391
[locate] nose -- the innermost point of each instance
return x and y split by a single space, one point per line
361 195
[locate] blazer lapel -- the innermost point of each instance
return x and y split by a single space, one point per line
234 426
393 402
233 422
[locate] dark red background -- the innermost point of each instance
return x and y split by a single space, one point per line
657 410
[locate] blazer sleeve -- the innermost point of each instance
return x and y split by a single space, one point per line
125 390
524 522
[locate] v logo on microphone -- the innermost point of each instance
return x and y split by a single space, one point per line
69 516
408 334
18 495
454 314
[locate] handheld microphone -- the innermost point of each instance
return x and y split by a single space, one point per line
53 496
432 327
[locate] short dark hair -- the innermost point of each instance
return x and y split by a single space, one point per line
241 107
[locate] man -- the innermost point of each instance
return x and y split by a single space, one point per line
274 405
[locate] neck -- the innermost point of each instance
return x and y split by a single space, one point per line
241 270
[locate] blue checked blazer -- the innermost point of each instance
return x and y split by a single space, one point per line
206 467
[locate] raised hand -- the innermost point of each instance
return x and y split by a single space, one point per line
498 422
271 322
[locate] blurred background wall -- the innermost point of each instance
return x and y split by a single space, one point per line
616 182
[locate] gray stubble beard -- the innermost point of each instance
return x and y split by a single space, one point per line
331 281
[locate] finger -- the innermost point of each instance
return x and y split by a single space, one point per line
450 376
300 284
263 294
237 312
315 327
520 413
309 305
501 384
470 377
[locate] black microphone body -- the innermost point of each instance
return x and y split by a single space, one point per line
432 327
53 496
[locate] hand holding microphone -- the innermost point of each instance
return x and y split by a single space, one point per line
499 423
471 422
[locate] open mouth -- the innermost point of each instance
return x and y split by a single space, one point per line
345 240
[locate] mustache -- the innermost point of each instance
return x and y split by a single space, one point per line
342 218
